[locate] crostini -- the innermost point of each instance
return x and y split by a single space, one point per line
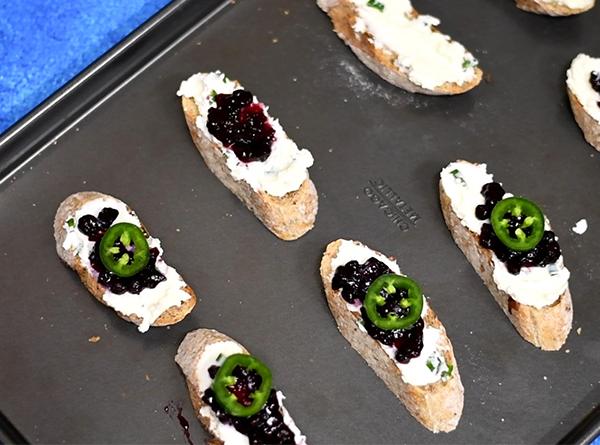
556 8
387 320
232 393
250 153
509 243
402 46
583 88
103 240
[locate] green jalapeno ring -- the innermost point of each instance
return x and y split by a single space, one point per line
224 379
131 262
533 220
392 283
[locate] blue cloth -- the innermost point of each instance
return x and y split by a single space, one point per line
596 441
45 43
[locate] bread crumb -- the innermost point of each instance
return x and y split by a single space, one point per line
578 331
580 227
545 378
502 419
178 230
567 351
275 40
147 377
94 339
286 12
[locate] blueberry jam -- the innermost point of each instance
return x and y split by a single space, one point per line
241 125
546 252
595 82
354 279
94 228
266 426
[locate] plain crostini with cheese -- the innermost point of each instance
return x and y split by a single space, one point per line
556 8
402 46
583 88
122 266
250 153
232 392
510 244
387 320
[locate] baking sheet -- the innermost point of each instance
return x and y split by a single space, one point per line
56 386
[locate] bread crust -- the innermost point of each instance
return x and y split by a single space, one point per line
436 406
288 217
66 209
382 62
589 125
546 327
555 10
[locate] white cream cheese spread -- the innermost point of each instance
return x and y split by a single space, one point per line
533 286
578 81
580 226
215 354
149 304
429 58
573 4
430 366
282 172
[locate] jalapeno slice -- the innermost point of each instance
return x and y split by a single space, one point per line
406 306
124 250
225 380
518 223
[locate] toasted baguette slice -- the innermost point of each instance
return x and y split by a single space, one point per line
199 350
551 8
343 14
589 124
67 210
437 406
289 216
546 327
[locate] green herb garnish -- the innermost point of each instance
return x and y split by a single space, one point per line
375 4
457 175
469 63
430 365
219 357
213 94
448 372
71 222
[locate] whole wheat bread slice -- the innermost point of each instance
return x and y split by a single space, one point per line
589 125
550 8
189 353
343 16
436 406
288 217
66 210
546 327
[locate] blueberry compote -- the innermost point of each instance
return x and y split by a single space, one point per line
546 252
595 82
266 426
241 125
94 228
354 279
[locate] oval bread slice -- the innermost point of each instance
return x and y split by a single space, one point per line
189 355
437 406
546 327
550 8
66 210
343 16
288 217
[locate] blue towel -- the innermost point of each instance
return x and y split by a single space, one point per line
45 43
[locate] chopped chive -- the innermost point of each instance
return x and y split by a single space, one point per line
375 4
213 94
430 365
469 63
448 372
71 222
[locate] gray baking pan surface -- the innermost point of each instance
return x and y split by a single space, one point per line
57 386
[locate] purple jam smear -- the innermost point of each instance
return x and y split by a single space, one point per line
241 126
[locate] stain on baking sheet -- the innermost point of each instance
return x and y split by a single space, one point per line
175 412
400 213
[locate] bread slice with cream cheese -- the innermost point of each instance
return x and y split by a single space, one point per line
166 304
556 8
584 99
278 190
402 46
544 321
200 350
432 393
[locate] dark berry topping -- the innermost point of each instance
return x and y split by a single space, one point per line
265 427
492 192
595 80
94 228
241 125
483 211
354 280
